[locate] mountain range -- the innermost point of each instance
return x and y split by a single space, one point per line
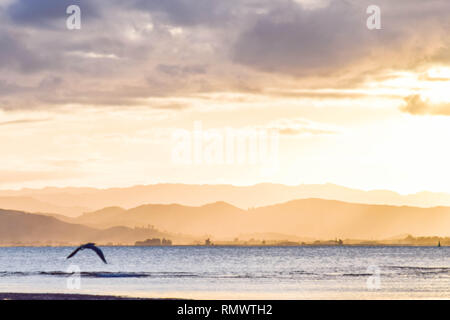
76 201
307 218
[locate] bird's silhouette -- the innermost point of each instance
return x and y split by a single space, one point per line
88 246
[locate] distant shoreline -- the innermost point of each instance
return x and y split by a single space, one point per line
233 246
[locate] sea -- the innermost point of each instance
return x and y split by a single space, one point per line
216 272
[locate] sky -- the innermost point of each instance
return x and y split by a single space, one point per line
161 91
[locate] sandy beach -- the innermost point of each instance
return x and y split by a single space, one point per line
62 296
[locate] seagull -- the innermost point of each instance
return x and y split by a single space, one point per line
89 246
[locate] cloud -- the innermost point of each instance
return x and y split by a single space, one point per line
191 13
15 54
290 39
302 131
177 70
293 40
22 121
126 52
7 88
301 126
415 105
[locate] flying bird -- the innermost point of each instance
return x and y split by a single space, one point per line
89 246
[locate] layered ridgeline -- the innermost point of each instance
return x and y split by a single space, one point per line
307 218
24 228
75 201
30 204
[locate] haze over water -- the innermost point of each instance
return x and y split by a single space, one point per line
233 272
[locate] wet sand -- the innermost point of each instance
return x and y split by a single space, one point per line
62 296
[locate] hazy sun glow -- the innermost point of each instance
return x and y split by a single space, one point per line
439 73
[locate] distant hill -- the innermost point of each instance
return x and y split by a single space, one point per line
305 218
20 227
26 227
218 218
29 204
75 201
329 219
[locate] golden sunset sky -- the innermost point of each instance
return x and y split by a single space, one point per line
367 109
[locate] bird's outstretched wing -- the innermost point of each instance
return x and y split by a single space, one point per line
97 251
89 246
74 252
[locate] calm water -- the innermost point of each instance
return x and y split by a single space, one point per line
234 272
